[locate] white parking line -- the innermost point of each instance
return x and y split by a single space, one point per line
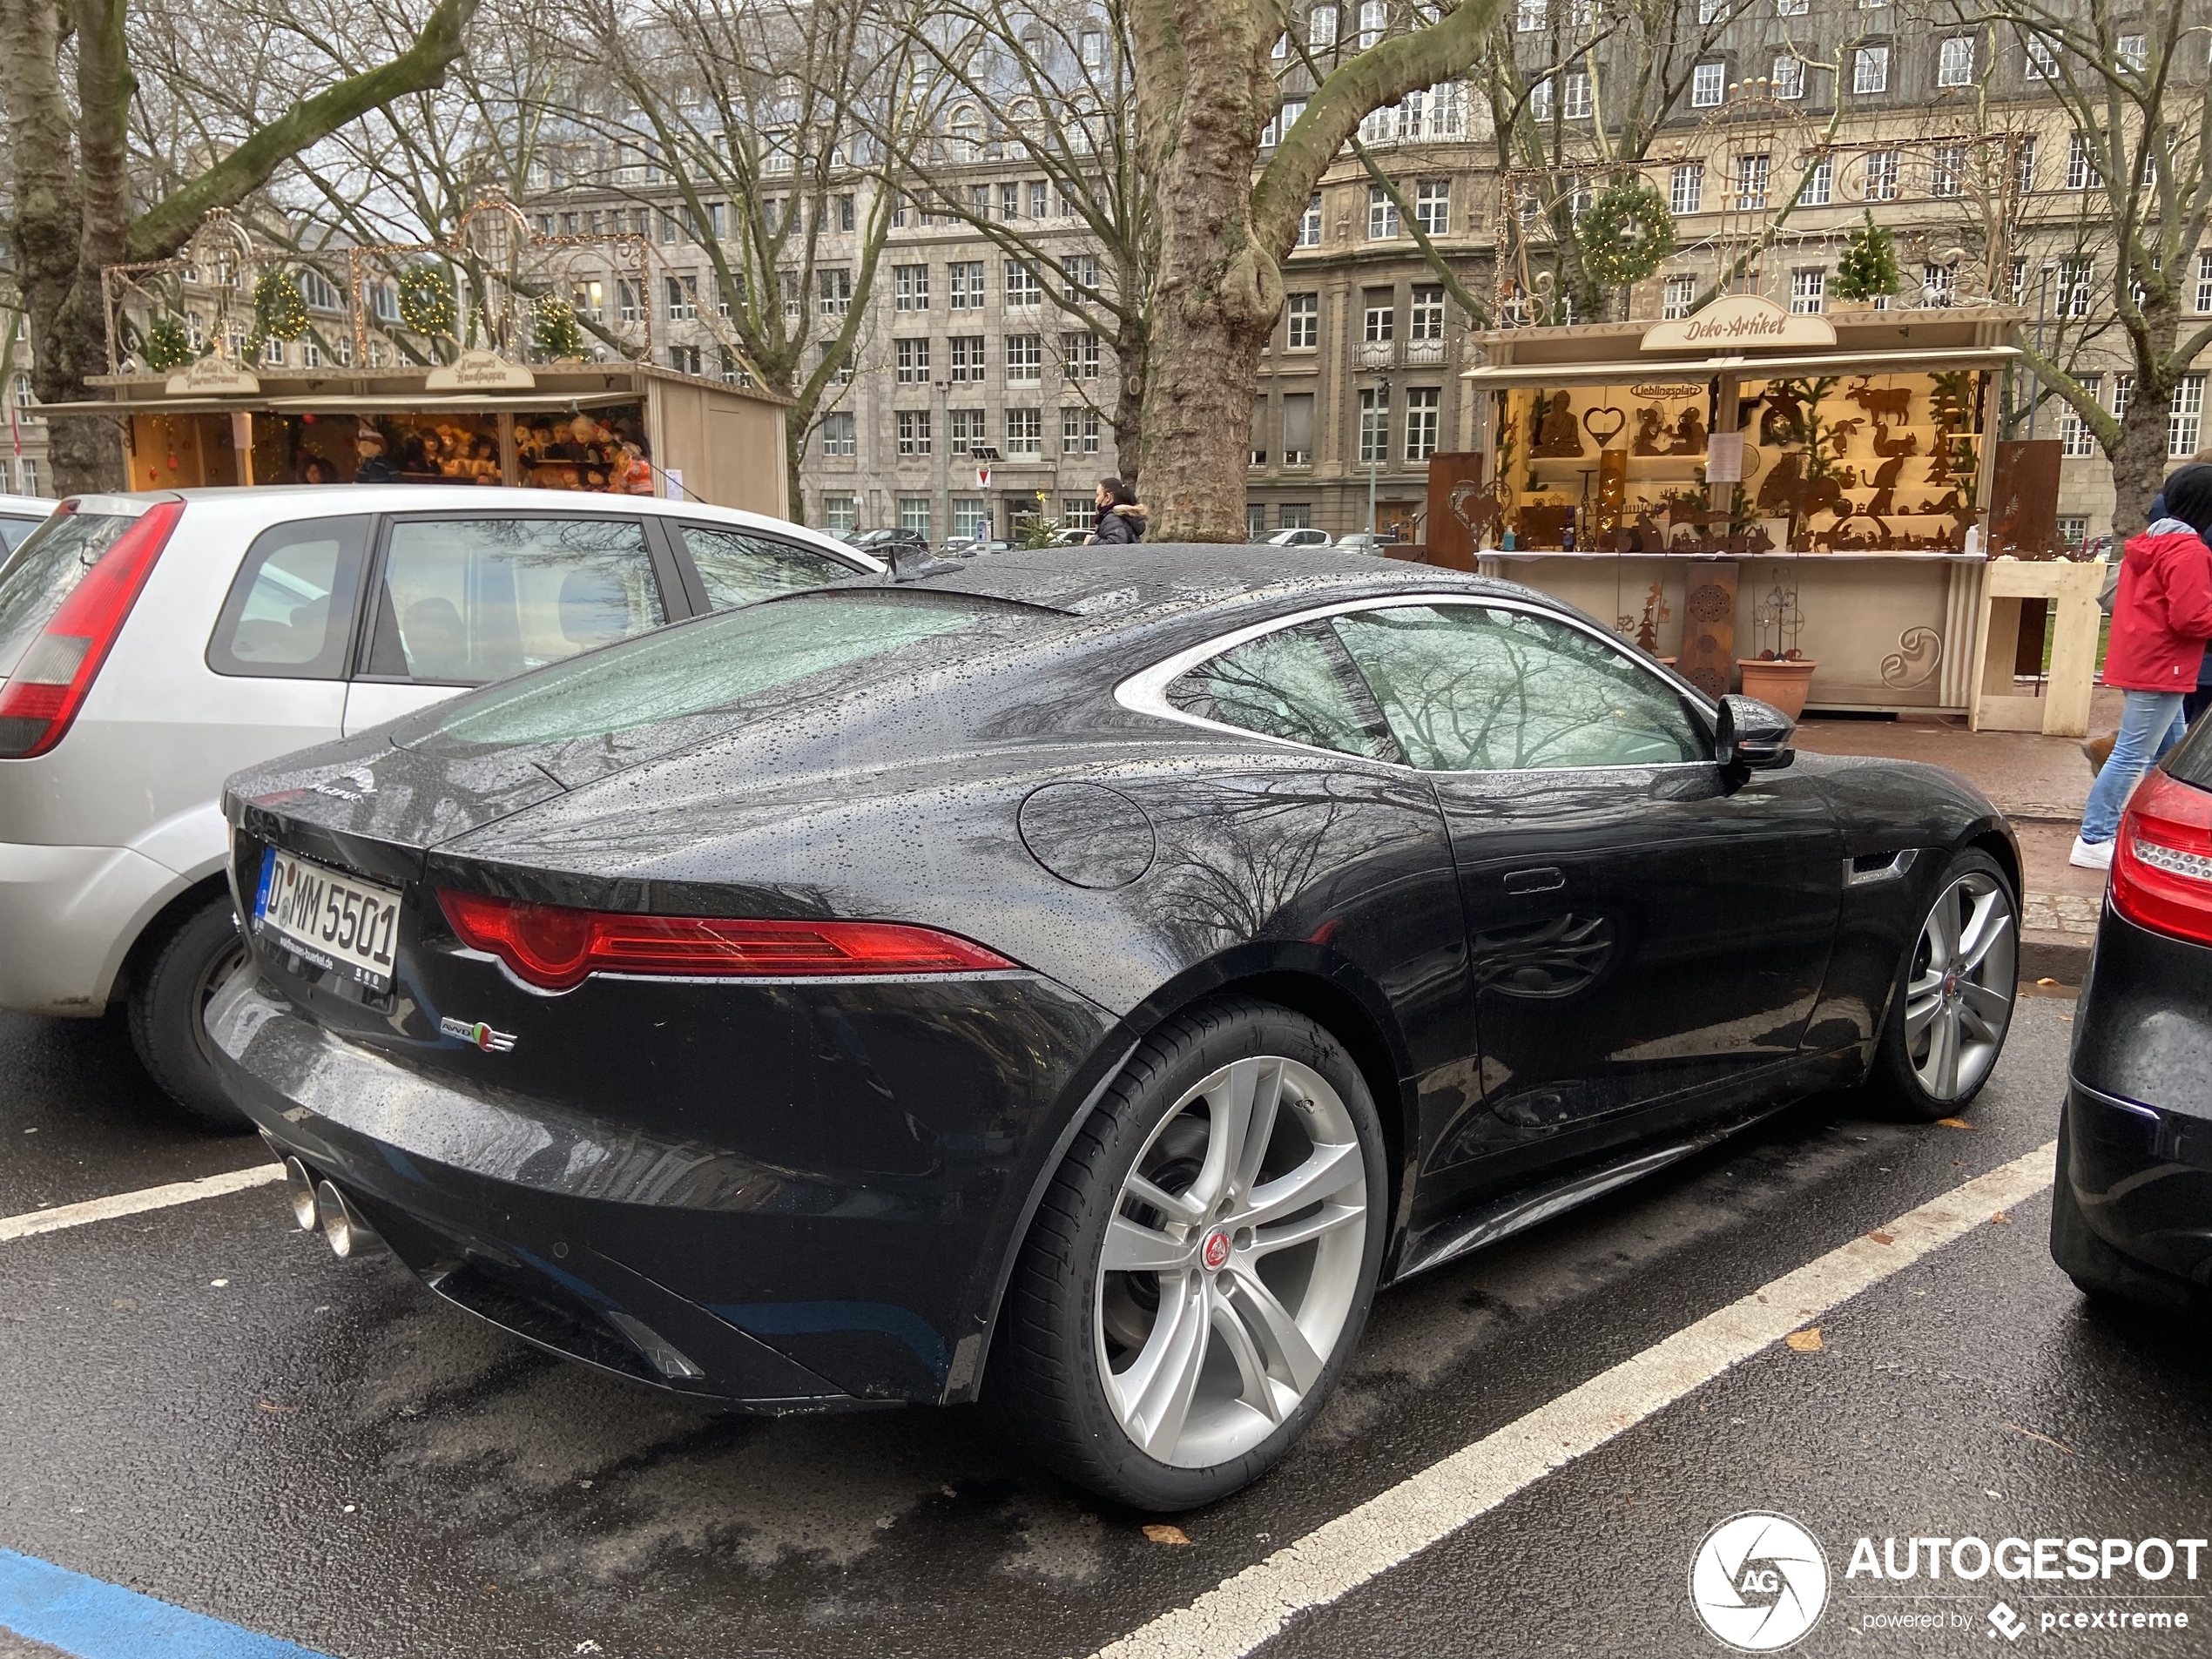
132 1204
1242 1612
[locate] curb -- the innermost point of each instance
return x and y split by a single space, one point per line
2046 955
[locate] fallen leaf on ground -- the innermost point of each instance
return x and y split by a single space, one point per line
1883 1239
1953 1123
2045 1439
1160 1533
2001 1219
270 1406
1805 1341
2065 1019
2047 981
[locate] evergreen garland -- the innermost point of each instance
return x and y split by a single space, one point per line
279 309
168 346
1626 232
426 300
1868 269
558 334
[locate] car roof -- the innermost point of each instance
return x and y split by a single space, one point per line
26 506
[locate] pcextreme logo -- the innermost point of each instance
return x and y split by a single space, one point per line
1759 1581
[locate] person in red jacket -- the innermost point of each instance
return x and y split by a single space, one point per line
2162 618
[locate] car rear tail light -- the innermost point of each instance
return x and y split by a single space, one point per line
41 697
2162 863
556 947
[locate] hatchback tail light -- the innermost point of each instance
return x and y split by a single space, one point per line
2162 861
41 697
555 946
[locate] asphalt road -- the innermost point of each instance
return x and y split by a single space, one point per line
201 1403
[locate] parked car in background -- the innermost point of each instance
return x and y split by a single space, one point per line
151 645
2131 1214
1365 542
19 516
1303 535
878 543
1075 983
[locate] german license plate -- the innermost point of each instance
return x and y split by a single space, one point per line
340 923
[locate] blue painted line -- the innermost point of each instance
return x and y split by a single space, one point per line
94 1619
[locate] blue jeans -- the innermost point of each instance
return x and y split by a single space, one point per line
2150 724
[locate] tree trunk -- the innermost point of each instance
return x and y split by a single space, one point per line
2139 462
1131 354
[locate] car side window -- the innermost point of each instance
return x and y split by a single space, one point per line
465 601
1475 688
289 614
737 570
1296 684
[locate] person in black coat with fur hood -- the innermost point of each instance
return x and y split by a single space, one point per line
1120 520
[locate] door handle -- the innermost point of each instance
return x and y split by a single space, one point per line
1548 879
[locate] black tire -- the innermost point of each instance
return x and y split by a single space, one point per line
1893 1080
180 971
1045 1380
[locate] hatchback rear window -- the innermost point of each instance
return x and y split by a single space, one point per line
717 663
2192 761
39 575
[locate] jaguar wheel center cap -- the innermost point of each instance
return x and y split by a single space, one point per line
1214 1251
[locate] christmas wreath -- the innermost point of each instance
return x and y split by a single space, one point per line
279 310
558 333
1626 232
168 347
426 300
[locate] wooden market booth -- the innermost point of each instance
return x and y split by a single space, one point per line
1800 504
612 428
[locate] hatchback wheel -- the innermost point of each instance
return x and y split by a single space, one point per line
180 975
1952 1002
1202 1264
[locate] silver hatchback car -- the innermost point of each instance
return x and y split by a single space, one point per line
151 645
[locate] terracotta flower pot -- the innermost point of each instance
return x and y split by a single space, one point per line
1781 682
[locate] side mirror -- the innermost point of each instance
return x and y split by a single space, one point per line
1752 734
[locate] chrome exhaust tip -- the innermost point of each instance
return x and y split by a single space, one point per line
350 1238
299 1193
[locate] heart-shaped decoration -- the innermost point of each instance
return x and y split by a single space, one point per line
1604 435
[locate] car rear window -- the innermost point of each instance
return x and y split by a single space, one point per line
2192 761
290 613
716 662
40 574
13 532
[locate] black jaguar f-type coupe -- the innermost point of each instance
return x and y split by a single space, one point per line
1071 980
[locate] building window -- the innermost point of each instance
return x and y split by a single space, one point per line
1077 512
964 357
1791 8
1820 184
27 475
910 288
1078 431
2027 163
1023 291
971 517
1955 61
847 215
840 513
1425 318
2073 530
964 284
1752 174
1079 356
2185 416
1539 99
1809 290
2081 169
1938 284
1037 200
1686 188
836 286
2042 62
2204 282
1432 206
1674 297
1309 222
1373 15
1870 71
1295 515
1382 215
1080 272
838 436
1321 26
2123 392
2135 52
1529 17
913 515
913 427
1707 82
1025 432
910 358
1010 200
2076 272
1305 312
1788 75
2074 437
1374 424
1883 170
683 299
1298 429
1382 315
1947 171
1574 94
1024 359
965 429
687 360
1421 411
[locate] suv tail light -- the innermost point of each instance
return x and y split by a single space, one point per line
554 946
2161 862
39 701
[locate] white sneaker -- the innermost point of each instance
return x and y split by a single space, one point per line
2091 856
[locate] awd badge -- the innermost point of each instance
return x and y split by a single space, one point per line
483 1035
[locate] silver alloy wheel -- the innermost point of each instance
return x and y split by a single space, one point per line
1958 997
1232 1262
